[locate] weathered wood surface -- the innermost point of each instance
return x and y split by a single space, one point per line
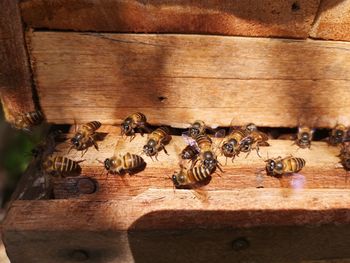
15 74
332 21
268 244
287 18
320 170
176 79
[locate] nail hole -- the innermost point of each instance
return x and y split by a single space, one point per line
240 243
162 99
86 186
295 7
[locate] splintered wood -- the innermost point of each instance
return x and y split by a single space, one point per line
177 79
321 170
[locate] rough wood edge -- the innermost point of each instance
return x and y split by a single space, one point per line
16 81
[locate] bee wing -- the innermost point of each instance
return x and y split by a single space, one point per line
190 141
220 133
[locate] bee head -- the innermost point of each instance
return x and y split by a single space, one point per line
185 155
107 164
251 127
150 148
227 148
76 140
178 179
270 166
304 136
194 132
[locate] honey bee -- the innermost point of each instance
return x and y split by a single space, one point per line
27 120
197 128
156 141
60 166
206 156
279 166
304 137
85 136
337 134
189 152
230 145
124 163
189 177
131 123
254 140
345 155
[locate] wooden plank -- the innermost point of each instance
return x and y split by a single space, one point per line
15 74
320 171
176 79
287 18
332 21
157 209
267 244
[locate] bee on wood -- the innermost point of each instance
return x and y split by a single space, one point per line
156 141
254 140
190 152
304 137
337 134
230 145
131 123
197 128
60 166
28 120
207 157
128 162
288 165
189 177
84 137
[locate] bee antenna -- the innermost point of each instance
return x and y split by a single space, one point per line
100 161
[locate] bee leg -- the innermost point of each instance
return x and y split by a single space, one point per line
257 151
70 149
156 156
218 166
84 152
164 149
247 154
94 143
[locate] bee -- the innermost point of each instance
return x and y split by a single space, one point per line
230 145
190 152
254 140
191 176
345 155
131 123
250 127
206 155
279 166
304 137
60 166
84 136
156 141
126 163
337 134
27 120
196 128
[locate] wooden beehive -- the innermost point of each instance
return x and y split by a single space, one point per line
267 62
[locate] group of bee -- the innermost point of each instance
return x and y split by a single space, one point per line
197 161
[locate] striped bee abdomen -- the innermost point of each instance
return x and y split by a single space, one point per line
132 161
199 173
92 126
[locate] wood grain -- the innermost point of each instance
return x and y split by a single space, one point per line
333 21
15 74
287 18
320 171
176 79
265 244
